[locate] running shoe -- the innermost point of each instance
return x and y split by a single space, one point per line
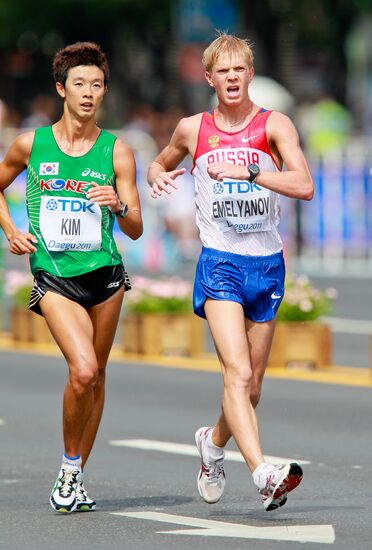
211 477
63 495
280 480
83 502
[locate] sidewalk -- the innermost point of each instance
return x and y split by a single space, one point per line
340 375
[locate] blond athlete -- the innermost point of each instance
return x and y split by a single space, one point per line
238 150
79 179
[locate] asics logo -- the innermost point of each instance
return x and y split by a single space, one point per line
93 174
244 139
276 296
113 285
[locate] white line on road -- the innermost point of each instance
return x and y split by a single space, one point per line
190 450
322 534
349 326
2 422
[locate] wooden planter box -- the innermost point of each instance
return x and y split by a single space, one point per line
163 334
26 326
307 345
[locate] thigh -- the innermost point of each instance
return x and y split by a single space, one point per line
227 324
104 318
70 326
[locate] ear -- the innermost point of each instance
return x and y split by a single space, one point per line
61 90
209 79
251 74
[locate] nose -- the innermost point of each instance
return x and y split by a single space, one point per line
87 91
231 74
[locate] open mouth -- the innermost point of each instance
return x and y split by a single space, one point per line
87 106
233 91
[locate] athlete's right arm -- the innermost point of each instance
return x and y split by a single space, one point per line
162 171
14 163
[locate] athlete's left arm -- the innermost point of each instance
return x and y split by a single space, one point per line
296 182
126 191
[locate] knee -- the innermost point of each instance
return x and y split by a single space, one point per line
84 379
255 398
255 390
238 376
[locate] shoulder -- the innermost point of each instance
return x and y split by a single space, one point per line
24 142
122 148
123 157
20 150
279 122
189 125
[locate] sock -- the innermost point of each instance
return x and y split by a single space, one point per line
259 475
74 461
214 452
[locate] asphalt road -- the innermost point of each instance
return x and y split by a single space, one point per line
327 425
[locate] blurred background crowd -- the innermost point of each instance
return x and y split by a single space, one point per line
313 61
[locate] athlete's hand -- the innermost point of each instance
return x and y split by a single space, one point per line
164 180
22 243
104 195
220 170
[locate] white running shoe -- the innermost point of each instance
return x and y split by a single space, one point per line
211 477
280 480
83 502
63 495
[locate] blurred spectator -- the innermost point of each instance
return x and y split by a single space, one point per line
178 215
166 124
42 112
142 117
325 125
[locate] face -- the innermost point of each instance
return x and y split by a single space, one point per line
83 91
230 77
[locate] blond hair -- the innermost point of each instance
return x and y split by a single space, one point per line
226 43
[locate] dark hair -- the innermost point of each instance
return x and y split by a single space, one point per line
80 53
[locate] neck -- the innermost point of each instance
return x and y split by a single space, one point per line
74 129
232 117
75 137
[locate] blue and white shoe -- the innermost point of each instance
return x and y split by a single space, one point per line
63 495
83 502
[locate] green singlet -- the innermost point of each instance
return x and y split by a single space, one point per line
74 234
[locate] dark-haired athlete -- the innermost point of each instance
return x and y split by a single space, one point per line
238 150
79 179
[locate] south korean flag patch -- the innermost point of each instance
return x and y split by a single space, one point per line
49 168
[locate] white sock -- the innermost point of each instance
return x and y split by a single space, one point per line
214 452
259 475
74 461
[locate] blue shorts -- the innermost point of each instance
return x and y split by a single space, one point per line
255 282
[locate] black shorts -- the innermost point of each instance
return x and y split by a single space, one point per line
87 290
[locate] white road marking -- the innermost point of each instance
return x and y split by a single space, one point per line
322 534
2 422
9 481
191 450
349 326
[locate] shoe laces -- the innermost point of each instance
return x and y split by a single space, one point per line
81 493
269 484
214 471
68 480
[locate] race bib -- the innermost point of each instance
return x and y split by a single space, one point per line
69 223
241 206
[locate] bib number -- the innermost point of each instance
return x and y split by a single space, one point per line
70 224
242 206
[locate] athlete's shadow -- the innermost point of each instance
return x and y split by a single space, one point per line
158 501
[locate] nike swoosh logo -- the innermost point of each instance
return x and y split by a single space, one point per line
244 139
275 296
